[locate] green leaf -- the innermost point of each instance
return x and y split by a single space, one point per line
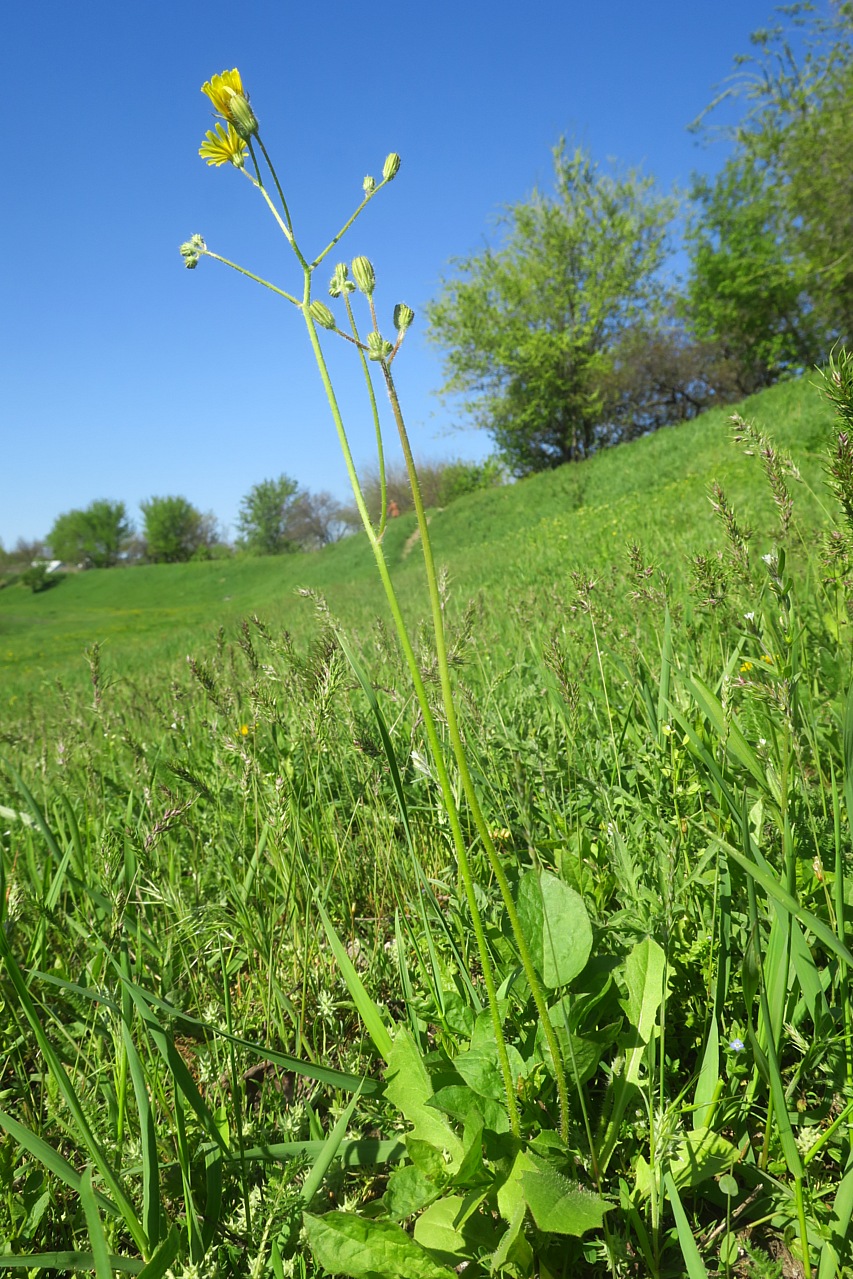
689 1251
556 927
409 1190
367 1009
560 1206
451 1236
699 1155
100 1252
409 1088
462 1104
164 1256
644 970
65 1261
348 1245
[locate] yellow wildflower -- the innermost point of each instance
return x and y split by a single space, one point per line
223 146
765 657
221 88
244 730
745 666
231 101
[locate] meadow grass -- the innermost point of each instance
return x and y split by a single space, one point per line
230 893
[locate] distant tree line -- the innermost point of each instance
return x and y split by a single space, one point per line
571 334
276 517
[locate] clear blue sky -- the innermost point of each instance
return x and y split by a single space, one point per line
123 375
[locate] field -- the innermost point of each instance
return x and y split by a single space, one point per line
246 1000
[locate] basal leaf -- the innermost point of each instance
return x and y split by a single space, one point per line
556 927
561 1206
348 1245
409 1088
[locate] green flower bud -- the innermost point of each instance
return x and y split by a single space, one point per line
377 347
391 167
321 313
403 316
340 282
368 185
192 250
242 116
364 275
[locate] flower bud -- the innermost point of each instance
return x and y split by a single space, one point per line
377 347
192 250
321 313
391 167
364 275
242 116
340 282
403 316
368 186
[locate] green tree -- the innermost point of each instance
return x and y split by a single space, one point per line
747 288
263 524
529 330
94 537
174 529
772 242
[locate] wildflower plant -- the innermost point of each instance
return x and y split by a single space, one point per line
546 918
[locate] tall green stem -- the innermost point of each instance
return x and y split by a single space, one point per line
462 761
436 749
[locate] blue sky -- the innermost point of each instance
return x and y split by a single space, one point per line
123 375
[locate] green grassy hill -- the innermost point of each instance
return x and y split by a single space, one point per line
524 539
235 893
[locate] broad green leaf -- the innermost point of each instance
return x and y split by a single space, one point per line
560 1206
510 1194
462 1104
513 1249
348 1245
700 1154
480 1069
556 927
644 970
409 1088
448 1234
409 1191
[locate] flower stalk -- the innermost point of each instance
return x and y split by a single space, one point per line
229 143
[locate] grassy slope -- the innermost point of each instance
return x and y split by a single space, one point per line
506 543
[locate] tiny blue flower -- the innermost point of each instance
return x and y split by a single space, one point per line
736 1045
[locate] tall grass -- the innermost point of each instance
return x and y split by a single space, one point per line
192 1059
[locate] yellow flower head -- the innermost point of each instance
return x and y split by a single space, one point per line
221 89
223 146
746 666
244 730
231 101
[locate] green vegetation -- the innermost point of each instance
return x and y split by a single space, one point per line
568 334
92 538
239 981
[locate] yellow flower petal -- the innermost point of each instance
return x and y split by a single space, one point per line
223 146
220 89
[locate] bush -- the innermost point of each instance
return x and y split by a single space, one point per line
36 577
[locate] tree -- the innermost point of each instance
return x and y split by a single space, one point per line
174 529
263 521
529 330
772 272
315 520
94 537
747 285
